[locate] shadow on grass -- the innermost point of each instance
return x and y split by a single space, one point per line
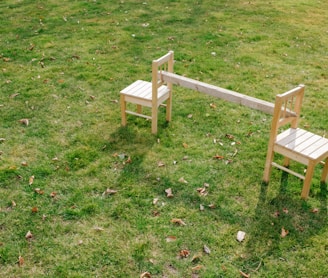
266 241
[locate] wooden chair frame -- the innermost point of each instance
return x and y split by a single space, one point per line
294 143
150 94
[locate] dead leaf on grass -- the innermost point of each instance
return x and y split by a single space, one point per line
315 210
20 261
243 274
197 268
184 253
171 238
109 191
178 221
145 275
38 191
169 193
24 121
241 236
182 180
29 235
219 157
284 232
31 180
185 145
206 249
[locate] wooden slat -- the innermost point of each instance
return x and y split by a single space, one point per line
290 137
320 152
219 92
287 170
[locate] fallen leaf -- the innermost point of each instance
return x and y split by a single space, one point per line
202 191
53 194
178 221
241 236
201 207
285 210
185 145
182 180
219 157
171 238
276 213
206 249
230 136
244 274
14 95
13 204
109 191
196 268
212 105
169 193
196 258
39 191
129 160
24 121
160 164
20 261
189 116
212 206
315 210
24 163
31 180
34 209
145 275
98 229
284 232
28 235
184 253
155 201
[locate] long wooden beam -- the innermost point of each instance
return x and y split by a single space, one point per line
232 96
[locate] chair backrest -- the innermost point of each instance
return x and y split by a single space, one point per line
164 63
287 109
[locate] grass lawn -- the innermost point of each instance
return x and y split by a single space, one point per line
80 196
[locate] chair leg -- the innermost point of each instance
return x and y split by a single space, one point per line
139 108
286 162
307 180
169 109
268 166
154 120
123 109
325 172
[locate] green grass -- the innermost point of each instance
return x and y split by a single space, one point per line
62 65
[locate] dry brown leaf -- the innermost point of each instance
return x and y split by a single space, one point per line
189 116
28 235
53 194
160 164
212 206
230 136
31 180
129 160
244 274
315 210
201 207
109 191
212 105
39 191
155 201
196 258
24 163
20 261
219 157
184 253
34 209
13 204
285 210
185 145
196 268
24 121
202 191
182 180
171 238
206 249
178 221
284 232
145 275
169 193
98 229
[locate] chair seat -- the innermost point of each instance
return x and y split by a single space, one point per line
143 90
300 142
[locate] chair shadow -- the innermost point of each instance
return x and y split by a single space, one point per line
284 211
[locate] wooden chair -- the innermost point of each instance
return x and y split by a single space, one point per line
294 143
150 94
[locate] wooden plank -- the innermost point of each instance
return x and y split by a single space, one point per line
232 96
